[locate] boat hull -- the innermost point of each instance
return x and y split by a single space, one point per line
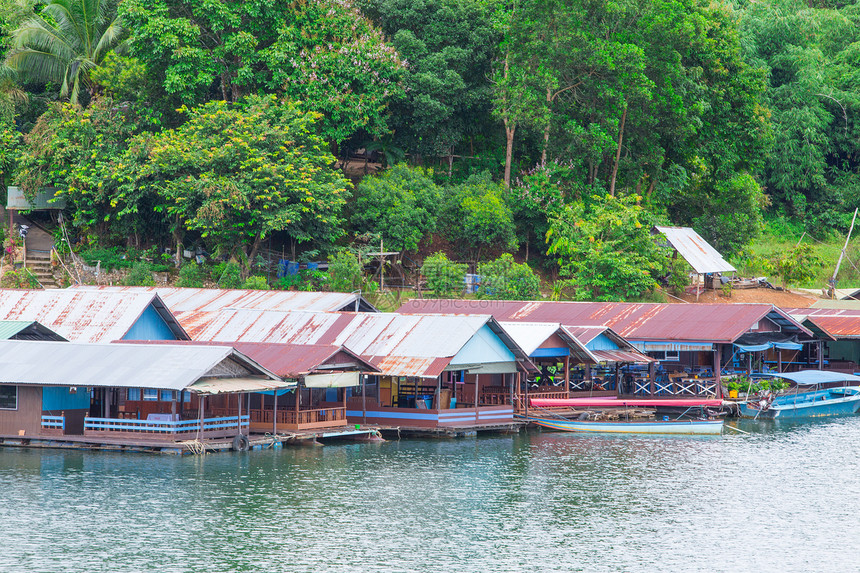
689 427
819 404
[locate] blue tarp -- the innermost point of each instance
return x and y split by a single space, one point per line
810 377
769 345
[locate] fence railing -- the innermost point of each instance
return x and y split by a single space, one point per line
301 417
164 426
54 422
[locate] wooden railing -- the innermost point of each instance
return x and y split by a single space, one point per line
677 387
300 417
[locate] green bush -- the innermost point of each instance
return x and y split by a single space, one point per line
256 282
345 273
139 275
444 277
191 275
227 275
111 257
505 279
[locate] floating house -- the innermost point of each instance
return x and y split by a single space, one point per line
693 343
839 331
125 394
182 300
93 316
456 373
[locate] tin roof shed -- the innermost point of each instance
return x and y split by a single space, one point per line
695 250
26 330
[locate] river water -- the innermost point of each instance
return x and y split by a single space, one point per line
782 498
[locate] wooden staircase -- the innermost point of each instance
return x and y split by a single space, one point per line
39 263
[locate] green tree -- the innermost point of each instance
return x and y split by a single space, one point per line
345 272
444 277
797 265
480 218
64 42
505 279
401 204
256 282
605 250
237 173
449 45
139 275
191 275
323 54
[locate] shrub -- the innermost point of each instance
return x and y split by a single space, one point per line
256 282
139 275
345 273
227 275
505 279
191 275
444 277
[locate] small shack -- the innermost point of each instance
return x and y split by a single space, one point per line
699 254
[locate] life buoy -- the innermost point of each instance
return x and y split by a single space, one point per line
240 443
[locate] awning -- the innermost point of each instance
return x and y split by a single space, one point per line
236 385
769 345
621 356
332 380
811 377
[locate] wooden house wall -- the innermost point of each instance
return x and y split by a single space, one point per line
28 416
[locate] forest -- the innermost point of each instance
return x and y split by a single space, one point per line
513 139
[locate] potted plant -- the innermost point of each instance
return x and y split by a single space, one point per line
734 387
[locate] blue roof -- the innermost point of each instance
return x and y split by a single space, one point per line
810 377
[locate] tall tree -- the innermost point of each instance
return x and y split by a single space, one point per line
64 42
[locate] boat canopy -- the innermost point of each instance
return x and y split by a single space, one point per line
811 377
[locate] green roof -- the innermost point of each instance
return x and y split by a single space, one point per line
27 330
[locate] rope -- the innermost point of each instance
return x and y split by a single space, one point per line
196 447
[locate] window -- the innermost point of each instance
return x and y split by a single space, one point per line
167 395
150 394
186 396
133 394
8 397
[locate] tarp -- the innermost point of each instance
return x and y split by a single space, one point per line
616 403
234 385
332 380
769 345
811 377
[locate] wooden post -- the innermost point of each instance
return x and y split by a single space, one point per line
527 396
275 414
567 374
364 398
652 377
821 355
239 418
779 360
718 369
749 363
438 393
200 421
476 398
617 379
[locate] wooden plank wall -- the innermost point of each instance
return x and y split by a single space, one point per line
27 417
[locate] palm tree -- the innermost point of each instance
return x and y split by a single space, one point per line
64 42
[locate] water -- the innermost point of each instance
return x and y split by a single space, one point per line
784 498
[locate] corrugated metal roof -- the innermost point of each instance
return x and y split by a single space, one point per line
621 356
84 315
45 199
531 335
26 330
833 323
397 344
207 299
171 367
720 323
697 251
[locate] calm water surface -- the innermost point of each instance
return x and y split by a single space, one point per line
784 498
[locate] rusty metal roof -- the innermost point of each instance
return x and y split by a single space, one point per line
84 315
171 367
531 335
832 323
397 344
696 251
207 299
713 323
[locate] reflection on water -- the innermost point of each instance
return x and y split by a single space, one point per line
782 497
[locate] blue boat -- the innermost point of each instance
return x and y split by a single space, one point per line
816 393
